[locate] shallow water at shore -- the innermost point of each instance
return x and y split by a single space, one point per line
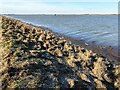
100 30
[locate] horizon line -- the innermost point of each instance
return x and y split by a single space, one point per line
60 14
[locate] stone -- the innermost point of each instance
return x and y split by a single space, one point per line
107 78
60 61
48 36
71 82
81 56
51 49
66 45
45 33
53 36
87 58
99 84
61 41
117 83
58 52
46 44
70 61
84 77
41 38
33 51
99 68
75 48
47 63
87 53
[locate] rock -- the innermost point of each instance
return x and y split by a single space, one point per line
47 63
44 32
48 36
88 53
117 79
75 48
65 53
39 46
71 82
66 46
41 38
52 49
33 51
84 77
58 52
22 73
24 64
82 56
70 48
79 49
61 41
46 44
33 31
94 54
35 47
99 68
117 70
22 28
107 78
53 36
60 61
99 84
117 83
37 52
76 60
70 61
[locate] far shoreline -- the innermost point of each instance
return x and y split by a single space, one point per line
67 14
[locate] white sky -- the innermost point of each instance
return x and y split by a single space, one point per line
58 6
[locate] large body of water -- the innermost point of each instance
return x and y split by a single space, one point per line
100 29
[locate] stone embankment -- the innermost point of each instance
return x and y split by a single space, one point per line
34 57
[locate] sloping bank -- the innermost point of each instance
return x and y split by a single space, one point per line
34 57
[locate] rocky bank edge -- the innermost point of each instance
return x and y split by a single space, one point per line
33 57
